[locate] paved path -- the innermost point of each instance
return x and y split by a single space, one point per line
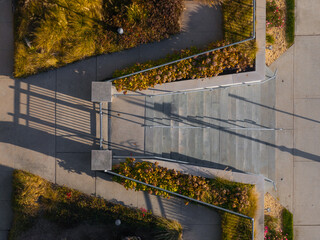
48 125
298 112
6 66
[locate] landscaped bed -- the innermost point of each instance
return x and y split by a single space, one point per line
237 26
234 196
278 220
43 210
52 33
280 28
232 59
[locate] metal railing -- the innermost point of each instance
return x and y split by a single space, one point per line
101 125
188 163
189 199
221 128
202 89
198 54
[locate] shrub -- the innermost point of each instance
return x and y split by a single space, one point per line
270 231
61 31
287 223
274 16
34 197
237 197
236 58
290 22
270 39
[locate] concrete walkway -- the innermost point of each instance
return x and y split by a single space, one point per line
48 125
205 128
297 111
6 67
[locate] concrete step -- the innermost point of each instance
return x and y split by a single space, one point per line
223 140
158 116
215 126
210 125
207 132
166 121
183 132
195 118
174 151
241 115
149 131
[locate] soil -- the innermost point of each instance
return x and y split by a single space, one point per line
279 34
275 208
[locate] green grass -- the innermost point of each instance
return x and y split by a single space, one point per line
290 22
237 20
35 198
287 223
53 33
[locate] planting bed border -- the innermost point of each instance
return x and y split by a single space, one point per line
257 180
257 75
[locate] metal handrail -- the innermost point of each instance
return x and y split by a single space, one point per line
179 195
152 157
187 198
198 54
188 163
101 132
221 128
202 89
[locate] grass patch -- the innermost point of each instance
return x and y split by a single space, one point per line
53 33
237 20
287 223
234 196
35 198
290 22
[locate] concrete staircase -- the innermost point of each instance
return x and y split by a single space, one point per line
205 128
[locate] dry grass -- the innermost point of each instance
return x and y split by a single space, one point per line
279 34
35 200
53 33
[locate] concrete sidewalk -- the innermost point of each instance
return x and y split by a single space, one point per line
48 125
297 110
6 67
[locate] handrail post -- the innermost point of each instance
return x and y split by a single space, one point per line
254 18
101 132
252 223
